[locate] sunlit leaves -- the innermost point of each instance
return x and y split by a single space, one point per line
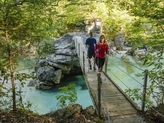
68 95
156 73
28 22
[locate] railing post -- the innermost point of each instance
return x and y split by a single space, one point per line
83 62
99 94
106 64
79 49
144 90
76 44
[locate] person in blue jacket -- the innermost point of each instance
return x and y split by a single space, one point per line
90 43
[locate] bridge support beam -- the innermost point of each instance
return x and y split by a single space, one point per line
144 91
99 93
83 62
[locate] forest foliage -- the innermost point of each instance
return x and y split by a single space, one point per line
27 23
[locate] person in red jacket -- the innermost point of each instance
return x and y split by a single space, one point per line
101 49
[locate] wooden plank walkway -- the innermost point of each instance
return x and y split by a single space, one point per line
115 108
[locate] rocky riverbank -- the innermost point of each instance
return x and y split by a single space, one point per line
73 113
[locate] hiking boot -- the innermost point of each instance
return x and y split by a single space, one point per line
90 67
100 70
98 73
100 80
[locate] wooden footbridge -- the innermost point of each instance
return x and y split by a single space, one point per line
110 102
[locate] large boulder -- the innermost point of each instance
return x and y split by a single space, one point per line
74 113
62 60
119 41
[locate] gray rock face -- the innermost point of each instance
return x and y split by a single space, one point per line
90 110
119 41
74 113
70 110
62 60
49 74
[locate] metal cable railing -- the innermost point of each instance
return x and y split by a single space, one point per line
143 87
126 83
127 74
120 80
131 64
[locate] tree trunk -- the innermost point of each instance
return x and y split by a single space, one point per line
11 71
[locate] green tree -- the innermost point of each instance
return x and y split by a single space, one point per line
68 95
156 88
147 28
22 23
29 22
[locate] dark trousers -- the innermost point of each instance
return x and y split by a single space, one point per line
100 62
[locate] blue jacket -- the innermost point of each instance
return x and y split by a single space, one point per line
90 42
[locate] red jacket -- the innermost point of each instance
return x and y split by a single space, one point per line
101 50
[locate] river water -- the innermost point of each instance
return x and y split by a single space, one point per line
125 74
44 101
